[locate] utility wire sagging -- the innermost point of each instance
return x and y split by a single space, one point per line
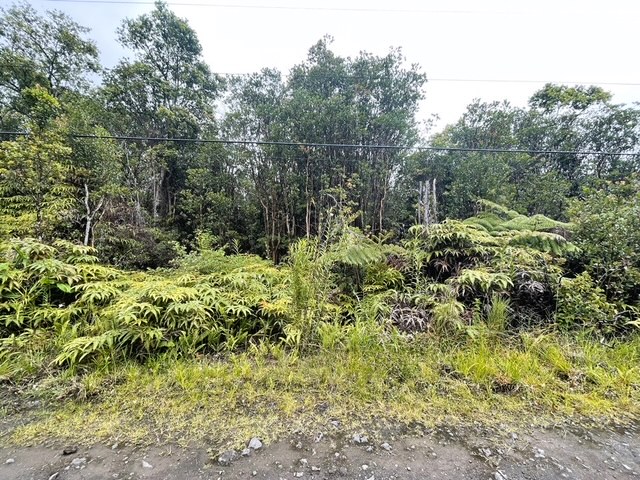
337 145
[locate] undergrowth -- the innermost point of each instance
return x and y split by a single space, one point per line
359 380
461 320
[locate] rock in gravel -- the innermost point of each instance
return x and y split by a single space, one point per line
69 450
10 461
246 452
78 462
227 458
499 476
386 446
298 474
539 453
369 449
357 438
255 443
146 464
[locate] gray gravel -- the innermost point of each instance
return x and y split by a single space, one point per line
444 453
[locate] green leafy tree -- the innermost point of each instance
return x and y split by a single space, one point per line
559 118
583 118
465 177
36 197
607 231
326 99
47 50
167 91
97 164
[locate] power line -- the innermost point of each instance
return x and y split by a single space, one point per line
573 13
337 145
286 7
495 80
452 79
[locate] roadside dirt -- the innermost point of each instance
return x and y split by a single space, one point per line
445 453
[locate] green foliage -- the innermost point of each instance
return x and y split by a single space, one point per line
37 284
498 314
559 118
497 252
326 98
481 280
47 52
578 98
607 231
536 231
346 270
440 282
107 314
581 304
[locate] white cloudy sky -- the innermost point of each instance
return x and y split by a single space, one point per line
546 40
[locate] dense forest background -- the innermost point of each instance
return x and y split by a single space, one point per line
322 172
134 198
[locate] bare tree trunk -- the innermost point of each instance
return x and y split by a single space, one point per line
426 201
308 202
435 202
427 204
90 214
158 180
383 199
419 209
138 209
87 231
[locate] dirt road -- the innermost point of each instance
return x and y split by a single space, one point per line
443 453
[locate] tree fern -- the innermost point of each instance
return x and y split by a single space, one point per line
481 280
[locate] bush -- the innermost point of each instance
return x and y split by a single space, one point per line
607 231
582 304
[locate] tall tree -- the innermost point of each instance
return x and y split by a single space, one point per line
36 195
47 50
559 118
334 100
167 91
97 163
583 118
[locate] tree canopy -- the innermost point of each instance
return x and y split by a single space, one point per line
135 200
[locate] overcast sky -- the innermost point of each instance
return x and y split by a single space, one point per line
546 40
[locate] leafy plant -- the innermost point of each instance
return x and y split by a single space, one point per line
583 305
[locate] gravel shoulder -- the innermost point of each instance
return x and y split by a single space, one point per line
473 452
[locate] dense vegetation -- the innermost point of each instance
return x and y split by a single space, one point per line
133 251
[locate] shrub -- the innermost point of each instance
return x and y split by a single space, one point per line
607 230
582 304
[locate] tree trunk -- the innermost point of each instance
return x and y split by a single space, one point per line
90 215
434 205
